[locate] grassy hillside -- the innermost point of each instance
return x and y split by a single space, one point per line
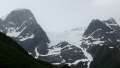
14 56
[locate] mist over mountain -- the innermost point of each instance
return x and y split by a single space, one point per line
97 46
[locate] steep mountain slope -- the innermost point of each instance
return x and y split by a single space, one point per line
13 56
22 26
103 31
101 39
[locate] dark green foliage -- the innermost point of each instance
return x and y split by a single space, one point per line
66 66
14 56
105 57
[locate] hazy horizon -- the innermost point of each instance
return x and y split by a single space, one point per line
61 15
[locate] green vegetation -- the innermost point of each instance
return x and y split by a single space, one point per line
14 56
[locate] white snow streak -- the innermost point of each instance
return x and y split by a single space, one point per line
27 37
12 32
37 53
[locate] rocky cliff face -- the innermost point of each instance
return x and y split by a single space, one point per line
66 53
99 32
102 41
22 26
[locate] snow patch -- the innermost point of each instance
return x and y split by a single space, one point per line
89 57
54 50
118 40
13 32
78 61
98 42
37 53
111 47
27 37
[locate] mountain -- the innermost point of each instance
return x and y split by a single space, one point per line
66 53
102 41
13 55
102 32
22 26
105 31
96 47
64 48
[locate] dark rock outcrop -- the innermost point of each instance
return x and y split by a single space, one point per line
65 53
22 26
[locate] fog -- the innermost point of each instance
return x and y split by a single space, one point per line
60 15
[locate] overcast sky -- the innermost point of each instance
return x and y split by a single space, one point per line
60 15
